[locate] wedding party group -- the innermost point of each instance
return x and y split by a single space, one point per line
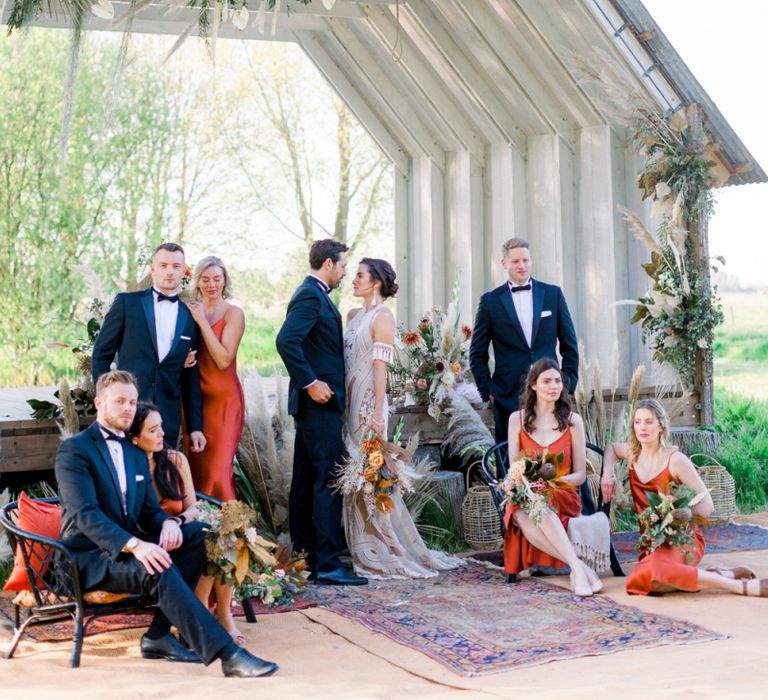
170 412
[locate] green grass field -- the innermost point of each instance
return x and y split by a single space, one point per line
741 345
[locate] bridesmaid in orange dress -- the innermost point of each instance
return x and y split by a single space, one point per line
653 466
175 489
545 421
222 325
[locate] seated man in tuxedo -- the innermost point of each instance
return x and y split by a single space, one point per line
151 333
124 542
525 320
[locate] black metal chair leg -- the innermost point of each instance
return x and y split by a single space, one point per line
77 639
511 578
250 616
17 635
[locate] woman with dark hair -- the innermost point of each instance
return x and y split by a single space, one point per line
384 545
172 479
653 465
545 422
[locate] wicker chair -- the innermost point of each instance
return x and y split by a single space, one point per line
56 590
495 465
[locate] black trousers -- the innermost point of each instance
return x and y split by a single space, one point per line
173 592
501 422
315 510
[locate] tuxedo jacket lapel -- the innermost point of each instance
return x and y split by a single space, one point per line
149 311
509 307
181 321
101 447
130 481
538 307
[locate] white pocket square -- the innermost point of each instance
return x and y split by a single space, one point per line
186 337
139 477
544 314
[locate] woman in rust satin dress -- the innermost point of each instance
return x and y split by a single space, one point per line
221 326
653 466
545 421
175 489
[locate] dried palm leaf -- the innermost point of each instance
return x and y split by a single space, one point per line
69 424
465 432
600 417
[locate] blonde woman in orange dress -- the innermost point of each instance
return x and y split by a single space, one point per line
545 422
654 464
222 325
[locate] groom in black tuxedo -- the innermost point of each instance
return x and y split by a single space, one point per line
525 320
124 542
151 333
311 344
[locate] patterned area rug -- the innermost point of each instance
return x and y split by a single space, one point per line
720 539
472 622
62 631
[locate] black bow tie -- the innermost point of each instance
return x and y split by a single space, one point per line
112 436
164 297
521 288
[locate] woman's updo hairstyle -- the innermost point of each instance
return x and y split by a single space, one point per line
382 271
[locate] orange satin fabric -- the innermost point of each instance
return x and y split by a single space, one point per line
665 565
223 412
172 507
519 554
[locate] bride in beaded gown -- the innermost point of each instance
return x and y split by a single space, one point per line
384 545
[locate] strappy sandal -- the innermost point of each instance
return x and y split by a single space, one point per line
228 623
740 573
762 589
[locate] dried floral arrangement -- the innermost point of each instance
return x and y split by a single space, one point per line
530 483
432 362
239 556
679 313
669 519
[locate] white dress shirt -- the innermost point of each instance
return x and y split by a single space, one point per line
118 461
523 302
166 313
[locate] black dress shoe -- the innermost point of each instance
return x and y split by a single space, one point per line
243 664
339 577
168 648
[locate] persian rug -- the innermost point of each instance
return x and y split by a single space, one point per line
472 622
720 539
62 631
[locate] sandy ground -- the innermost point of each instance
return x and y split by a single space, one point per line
323 655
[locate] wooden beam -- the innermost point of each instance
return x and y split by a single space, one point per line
406 314
333 73
449 59
430 86
379 82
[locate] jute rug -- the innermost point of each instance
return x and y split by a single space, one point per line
474 623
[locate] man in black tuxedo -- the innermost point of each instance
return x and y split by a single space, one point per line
525 320
124 542
311 343
151 333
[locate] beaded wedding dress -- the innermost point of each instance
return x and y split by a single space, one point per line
384 545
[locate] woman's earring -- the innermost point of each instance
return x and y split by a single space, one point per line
375 300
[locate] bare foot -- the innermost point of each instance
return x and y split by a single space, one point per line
594 580
228 623
580 585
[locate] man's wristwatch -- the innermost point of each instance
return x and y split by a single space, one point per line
131 544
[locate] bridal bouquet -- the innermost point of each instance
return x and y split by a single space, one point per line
239 556
668 519
530 482
376 470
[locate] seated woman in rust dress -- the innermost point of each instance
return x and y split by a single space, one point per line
545 422
653 465
175 490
